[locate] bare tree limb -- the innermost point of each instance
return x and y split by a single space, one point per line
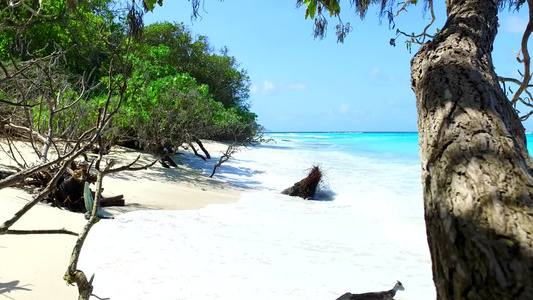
525 52
225 157
196 152
32 132
49 188
414 38
199 142
19 177
130 167
44 231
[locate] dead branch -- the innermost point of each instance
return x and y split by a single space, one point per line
30 131
526 58
207 155
73 275
9 170
225 157
130 166
413 38
44 231
196 152
69 157
112 201
49 188
12 152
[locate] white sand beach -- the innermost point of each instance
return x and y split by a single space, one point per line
184 236
32 266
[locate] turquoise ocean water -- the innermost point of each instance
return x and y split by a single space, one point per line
364 231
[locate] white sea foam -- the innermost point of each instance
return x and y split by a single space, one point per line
271 246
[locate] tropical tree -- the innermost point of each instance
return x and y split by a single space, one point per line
476 171
165 108
227 83
31 30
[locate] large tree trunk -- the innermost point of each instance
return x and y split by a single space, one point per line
476 171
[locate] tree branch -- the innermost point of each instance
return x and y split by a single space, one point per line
44 231
525 53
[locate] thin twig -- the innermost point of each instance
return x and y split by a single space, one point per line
525 53
43 231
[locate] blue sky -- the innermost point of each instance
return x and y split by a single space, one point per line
304 84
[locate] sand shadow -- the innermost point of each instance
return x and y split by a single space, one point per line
7 287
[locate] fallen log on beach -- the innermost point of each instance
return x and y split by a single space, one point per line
112 201
306 188
7 171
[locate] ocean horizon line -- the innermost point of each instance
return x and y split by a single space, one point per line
354 131
340 131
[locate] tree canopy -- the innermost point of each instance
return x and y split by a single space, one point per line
195 56
92 35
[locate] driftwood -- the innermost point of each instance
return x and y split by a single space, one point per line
113 201
384 295
131 144
69 187
7 171
306 188
69 192
70 195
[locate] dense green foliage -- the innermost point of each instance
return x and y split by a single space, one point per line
166 107
79 34
178 88
175 72
195 56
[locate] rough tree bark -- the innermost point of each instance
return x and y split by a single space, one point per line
476 172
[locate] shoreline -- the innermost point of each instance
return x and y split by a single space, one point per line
33 265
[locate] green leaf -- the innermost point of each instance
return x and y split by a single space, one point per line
312 9
334 8
88 197
150 4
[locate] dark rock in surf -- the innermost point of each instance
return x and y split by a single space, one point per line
306 188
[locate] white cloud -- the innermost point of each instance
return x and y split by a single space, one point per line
378 75
514 24
298 86
268 87
265 88
343 109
